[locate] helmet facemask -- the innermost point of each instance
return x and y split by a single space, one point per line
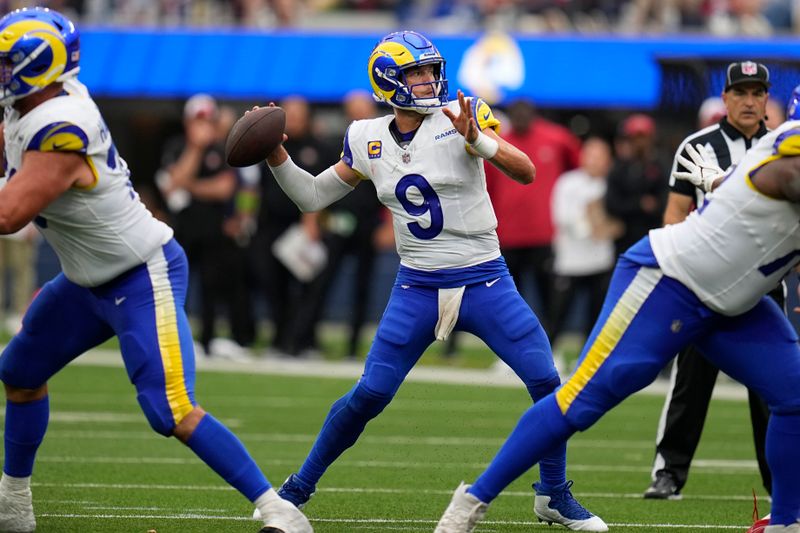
428 104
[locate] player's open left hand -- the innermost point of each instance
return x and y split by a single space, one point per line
701 171
464 122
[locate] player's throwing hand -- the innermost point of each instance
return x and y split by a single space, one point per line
464 122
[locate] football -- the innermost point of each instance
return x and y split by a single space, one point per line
255 136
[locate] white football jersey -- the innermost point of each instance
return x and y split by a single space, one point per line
435 189
99 231
741 243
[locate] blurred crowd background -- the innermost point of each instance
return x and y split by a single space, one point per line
716 17
266 278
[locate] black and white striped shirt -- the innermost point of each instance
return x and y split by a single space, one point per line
726 143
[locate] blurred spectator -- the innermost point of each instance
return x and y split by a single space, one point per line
240 225
711 112
347 228
637 183
588 16
265 13
775 114
647 16
441 15
723 17
199 189
277 215
584 236
17 261
525 226
359 105
739 17
783 15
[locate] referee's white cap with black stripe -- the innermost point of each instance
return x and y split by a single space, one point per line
746 72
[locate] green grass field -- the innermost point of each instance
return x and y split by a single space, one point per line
101 469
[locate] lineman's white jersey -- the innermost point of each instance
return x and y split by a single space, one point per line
741 243
435 189
99 231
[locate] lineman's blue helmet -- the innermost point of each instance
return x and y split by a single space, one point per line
793 107
38 47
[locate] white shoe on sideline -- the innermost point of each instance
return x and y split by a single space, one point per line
227 349
16 510
463 513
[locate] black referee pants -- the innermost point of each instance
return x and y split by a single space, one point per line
684 414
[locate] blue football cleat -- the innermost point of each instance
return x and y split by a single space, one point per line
293 490
558 505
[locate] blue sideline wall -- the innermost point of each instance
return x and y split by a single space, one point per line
564 71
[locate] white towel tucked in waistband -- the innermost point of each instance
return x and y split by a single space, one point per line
449 305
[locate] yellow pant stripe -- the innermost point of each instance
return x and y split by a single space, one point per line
615 326
168 339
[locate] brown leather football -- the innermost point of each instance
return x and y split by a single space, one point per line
255 136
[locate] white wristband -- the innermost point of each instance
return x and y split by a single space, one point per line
485 146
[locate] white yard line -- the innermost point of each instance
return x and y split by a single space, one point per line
706 467
398 440
372 490
354 369
373 522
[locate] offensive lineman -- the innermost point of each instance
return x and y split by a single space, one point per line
452 275
665 295
123 273
745 98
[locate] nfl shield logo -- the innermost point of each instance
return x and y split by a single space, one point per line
749 68
406 158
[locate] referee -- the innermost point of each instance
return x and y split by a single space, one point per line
693 376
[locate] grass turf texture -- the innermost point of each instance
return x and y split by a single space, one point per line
101 469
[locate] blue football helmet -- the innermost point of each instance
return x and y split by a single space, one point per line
793 107
68 31
38 47
391 57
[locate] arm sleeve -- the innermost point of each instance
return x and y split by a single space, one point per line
310 193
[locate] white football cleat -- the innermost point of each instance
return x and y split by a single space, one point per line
463 513
558 505
16 509
280 516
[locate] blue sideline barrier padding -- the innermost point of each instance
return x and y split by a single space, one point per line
563 71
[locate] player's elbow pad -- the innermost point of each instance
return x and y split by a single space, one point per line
310 193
